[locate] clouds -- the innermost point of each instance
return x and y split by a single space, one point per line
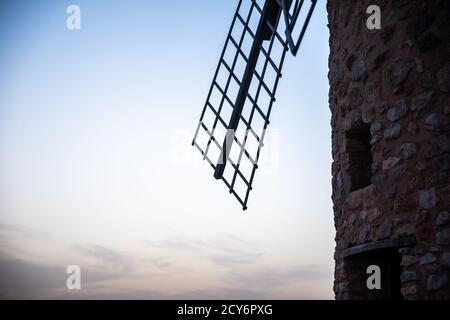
101 253
243 271
107 261
223 250
172 268
177 243
21 279
266 278
17 231
16 240
231 251
234 259
127 294
28 279
17 275
160 262
106 264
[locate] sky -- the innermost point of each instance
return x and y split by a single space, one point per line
97 168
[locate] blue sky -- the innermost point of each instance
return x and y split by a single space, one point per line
96 166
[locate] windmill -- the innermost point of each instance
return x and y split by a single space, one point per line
237 110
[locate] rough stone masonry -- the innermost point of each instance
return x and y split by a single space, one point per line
390 104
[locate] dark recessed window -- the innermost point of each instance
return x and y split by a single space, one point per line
360 157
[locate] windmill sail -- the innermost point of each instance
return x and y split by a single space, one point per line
236 114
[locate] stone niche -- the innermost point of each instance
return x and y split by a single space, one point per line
390 104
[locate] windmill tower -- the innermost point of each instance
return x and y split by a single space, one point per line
390 104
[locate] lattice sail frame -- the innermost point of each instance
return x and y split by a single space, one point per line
236 113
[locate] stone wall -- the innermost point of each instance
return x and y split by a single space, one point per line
390 104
